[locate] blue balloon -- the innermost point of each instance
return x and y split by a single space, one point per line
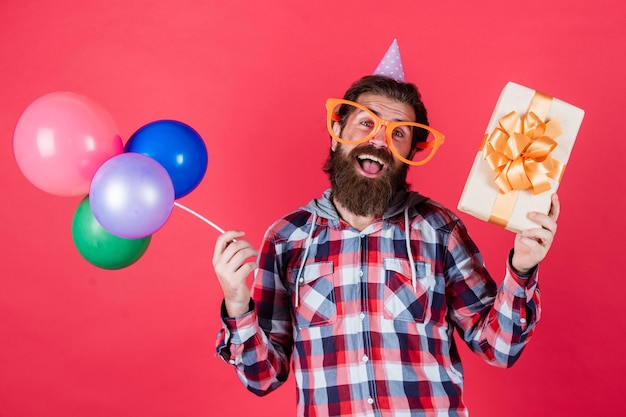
177 147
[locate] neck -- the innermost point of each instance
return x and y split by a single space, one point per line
354 220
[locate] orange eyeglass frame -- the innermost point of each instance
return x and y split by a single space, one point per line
333 117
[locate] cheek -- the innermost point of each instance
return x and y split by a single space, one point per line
405 150
397 164
344 150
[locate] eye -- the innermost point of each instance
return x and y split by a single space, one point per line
402 133
364 121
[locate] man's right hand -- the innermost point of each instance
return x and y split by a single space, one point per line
232 265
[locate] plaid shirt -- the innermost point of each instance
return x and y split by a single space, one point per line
362 339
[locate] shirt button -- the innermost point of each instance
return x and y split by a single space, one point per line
232 361
522 320
360 272
370 400
365 358
362 316
301 280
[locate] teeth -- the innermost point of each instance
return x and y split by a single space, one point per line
372 158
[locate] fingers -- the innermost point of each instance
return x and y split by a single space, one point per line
236 255
232 264
555 209
532 245
548 221
224 240
230 255
544 234
536 238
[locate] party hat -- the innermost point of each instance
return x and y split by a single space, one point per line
391 64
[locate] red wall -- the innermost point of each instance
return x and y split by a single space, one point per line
252 79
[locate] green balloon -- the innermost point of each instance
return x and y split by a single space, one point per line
101 248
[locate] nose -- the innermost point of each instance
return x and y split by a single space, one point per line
379 139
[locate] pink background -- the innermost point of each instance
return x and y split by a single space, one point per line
252 79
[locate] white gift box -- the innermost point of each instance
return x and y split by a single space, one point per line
488 194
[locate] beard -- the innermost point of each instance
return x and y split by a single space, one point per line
359 194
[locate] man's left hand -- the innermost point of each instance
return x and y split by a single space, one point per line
532 245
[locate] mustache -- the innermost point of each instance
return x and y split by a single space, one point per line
383 154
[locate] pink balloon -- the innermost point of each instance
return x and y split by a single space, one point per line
61 140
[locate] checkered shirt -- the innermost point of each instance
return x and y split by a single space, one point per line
362 340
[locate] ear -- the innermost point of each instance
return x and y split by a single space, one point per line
337 130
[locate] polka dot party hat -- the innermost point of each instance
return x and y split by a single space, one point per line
391 64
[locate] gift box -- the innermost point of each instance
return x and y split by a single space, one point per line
522 158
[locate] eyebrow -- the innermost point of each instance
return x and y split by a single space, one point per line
378 114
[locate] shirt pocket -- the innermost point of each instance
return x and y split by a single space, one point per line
316 294
401 301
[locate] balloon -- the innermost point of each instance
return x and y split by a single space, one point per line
176 146
131 195
60 141
100 247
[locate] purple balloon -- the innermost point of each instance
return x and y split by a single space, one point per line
131 195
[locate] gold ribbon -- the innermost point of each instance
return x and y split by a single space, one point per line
519 152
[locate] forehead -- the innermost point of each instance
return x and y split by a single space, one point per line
387 108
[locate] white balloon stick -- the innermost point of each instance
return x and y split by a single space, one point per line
204 219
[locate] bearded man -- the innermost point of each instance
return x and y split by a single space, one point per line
360 290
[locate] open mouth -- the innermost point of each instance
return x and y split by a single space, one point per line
370 164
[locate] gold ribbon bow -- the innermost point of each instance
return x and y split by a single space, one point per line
518 151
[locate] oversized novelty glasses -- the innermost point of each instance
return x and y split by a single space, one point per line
358 124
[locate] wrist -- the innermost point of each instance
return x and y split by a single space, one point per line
237 308
519 270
